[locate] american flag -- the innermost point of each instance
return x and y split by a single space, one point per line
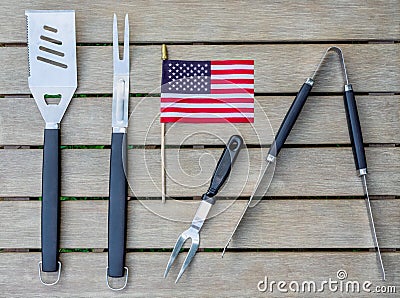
207 91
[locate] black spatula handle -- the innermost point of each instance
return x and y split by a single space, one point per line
224 166
117 207
353 123
290 118
50 200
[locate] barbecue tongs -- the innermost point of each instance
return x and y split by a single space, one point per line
354 127
219 177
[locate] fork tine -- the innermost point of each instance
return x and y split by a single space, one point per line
126 39
115 39
178 245
189 257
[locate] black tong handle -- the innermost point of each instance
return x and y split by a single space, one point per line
50 200
290 118
353 123
117 206
224 167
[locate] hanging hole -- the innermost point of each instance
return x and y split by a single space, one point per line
233 146
52 99
51 29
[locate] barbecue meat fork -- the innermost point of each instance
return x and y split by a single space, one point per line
354 127
219 177
117 205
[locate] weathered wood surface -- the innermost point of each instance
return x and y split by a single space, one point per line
272 224
309 218
217 21
84 274
88 122
299 171
278 67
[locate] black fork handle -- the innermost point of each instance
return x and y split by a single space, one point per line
354 126
290 118
50 224
117 206
224 166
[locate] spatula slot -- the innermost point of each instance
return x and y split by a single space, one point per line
52 40
55 63
51 51
51 29
52 99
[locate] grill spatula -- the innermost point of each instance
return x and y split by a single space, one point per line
52 81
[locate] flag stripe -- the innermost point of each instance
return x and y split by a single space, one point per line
232 71
204 105
232 76
206 100
232 90
241 111
206 115
234 66
229 62
206 120
229 86
234 81
232 95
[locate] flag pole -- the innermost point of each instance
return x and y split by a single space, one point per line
164 56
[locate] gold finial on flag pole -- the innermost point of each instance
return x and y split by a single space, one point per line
164 56
164 52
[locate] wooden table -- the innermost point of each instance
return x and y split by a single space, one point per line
314 222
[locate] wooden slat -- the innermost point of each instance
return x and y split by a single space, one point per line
236 275
88 120
278 68
303 171
216 21
306 172
272 224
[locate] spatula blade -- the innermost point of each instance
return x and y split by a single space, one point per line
52 60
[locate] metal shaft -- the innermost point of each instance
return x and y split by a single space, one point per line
237 225
338 51
247 206
372 226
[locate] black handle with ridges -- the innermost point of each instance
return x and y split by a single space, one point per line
117 206
224 166
50 224
290 118
354 126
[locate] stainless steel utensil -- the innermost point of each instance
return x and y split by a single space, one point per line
117 207
356 139
52 81
208 199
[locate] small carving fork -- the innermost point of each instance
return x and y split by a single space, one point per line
219 177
